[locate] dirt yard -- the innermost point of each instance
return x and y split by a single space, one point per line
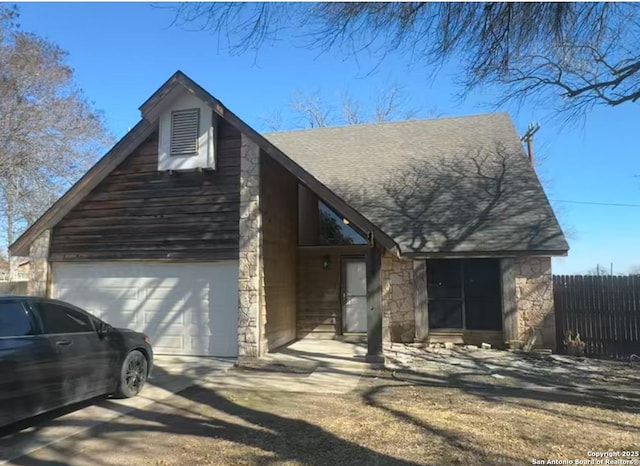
392 418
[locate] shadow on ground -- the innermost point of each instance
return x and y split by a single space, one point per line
264 437
269 437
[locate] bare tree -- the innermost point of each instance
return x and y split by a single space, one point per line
584 53
598 270
49 134
310 109
273 121
313 110
351 110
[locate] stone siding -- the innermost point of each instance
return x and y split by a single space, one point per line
250 276
534 302
39 265
398 300
19 269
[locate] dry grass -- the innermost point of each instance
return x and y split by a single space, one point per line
386 421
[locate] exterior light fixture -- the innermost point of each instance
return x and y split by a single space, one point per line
345 221
326 262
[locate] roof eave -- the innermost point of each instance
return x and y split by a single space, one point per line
82 187
418 255
323 192
144 128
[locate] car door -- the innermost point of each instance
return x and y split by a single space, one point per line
84 366
28 365
112 351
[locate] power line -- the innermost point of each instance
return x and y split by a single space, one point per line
613 204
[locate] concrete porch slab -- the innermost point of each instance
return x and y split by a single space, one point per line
348 352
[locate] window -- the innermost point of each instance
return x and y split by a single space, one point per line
482 300
184 132
15 321
61 319
335 229
464 294
444 289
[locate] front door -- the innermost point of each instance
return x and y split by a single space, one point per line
354 296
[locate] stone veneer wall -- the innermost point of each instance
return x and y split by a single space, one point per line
39 265
534 302
250 277
15 274
398 318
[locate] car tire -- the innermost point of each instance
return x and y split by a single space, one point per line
133 375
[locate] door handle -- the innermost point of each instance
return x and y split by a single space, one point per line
64 342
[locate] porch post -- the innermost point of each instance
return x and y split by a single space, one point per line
374 305
421 300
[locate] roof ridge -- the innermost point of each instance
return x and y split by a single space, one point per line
387 123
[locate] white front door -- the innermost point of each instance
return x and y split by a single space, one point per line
355 295
185 308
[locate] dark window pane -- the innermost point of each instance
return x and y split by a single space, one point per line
444 278
483 309
445 314
481 278
333 230
61 319
483 314
15 321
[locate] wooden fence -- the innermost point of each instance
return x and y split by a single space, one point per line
605 310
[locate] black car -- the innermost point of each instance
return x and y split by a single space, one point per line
53 354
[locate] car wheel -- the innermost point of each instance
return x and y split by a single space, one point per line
133 375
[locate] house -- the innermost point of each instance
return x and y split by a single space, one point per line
4 270
217 240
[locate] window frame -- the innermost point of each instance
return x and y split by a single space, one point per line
357 237
462 298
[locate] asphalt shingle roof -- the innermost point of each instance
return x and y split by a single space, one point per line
460 185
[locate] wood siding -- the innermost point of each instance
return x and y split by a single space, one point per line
139 213
279 238
308 217
319 308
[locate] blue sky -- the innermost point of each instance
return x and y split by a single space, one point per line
123 52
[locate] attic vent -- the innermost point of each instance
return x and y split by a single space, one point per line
184 132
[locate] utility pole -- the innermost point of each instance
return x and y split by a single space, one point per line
528 138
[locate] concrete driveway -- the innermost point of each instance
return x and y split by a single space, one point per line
171 375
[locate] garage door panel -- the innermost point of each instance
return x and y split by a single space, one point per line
186 309
169 343
121 320
164 317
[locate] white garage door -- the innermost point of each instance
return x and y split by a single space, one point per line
187 309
